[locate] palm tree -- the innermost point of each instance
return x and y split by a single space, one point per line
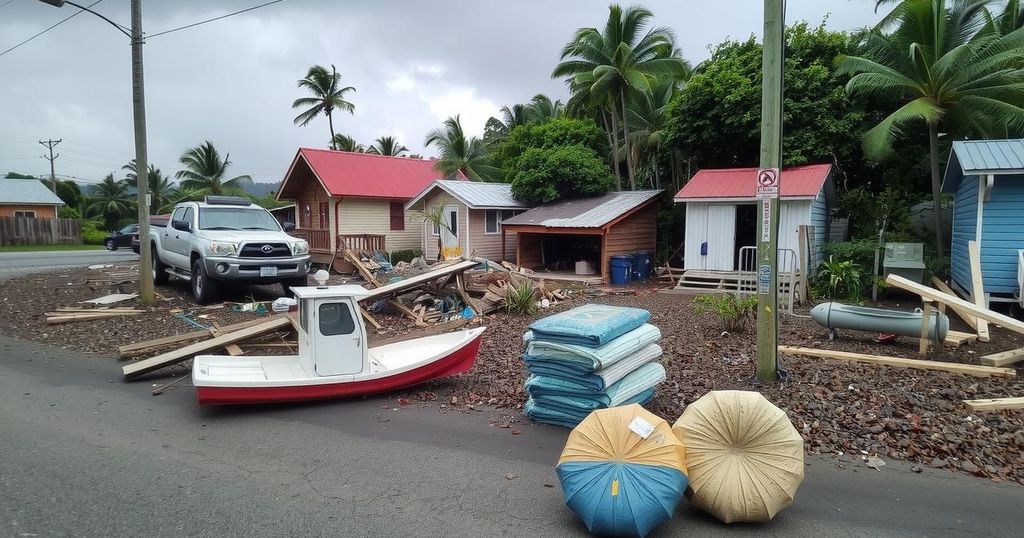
459 153
619 59
342 142
387 145
327 96
929 57
542 108
110 199
205 171
161 190
648 115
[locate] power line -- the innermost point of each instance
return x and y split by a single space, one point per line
213 19
58 23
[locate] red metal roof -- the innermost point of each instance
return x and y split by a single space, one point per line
346 173
796 182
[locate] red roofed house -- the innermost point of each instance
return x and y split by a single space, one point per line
355 200
722 213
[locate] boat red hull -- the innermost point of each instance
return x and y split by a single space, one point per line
461 360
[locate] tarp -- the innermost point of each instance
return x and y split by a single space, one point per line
585 359
746 459
591 325
569 417
600 379
622 471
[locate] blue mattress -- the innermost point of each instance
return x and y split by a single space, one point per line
570 417
563 392
590 325
586 359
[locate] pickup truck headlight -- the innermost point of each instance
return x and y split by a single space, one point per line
300 247
223 248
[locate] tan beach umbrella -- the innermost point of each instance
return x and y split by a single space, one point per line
745 458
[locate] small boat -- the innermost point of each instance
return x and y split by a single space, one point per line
834 316
333 360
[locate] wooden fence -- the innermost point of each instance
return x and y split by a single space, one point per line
33 231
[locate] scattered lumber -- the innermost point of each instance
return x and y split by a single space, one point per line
152 346
145 366
977 289
994 404
968 318
57 318
899 362
953 301
957 338
417 281
1003 358
112 298
370 319
233 350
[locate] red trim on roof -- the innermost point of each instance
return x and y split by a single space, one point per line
344 173
796 182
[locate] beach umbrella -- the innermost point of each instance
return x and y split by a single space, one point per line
745 459
622 471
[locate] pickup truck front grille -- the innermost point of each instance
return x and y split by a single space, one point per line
260 250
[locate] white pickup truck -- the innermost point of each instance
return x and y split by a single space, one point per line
227 240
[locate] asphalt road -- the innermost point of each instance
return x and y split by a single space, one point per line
14 264
86 454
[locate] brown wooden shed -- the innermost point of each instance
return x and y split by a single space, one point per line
554 237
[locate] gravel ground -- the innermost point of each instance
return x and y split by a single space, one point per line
843 409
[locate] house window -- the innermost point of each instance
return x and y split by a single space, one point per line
28 214
494 217
436 230
453 222
397 216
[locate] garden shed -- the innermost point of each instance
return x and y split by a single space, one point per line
721 214
987 178
554 237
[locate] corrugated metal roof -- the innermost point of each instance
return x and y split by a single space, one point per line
347 173
973 157
796 182
26 191
475 194
593 212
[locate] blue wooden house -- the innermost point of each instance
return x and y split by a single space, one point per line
987 178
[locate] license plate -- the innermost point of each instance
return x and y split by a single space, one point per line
268 270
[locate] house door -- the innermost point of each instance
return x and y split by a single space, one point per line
337 339
450 234
710 236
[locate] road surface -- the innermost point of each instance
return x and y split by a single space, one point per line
87 454
14 264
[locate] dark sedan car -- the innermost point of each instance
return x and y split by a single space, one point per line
159 221
122 237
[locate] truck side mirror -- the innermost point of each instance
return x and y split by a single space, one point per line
180 225
288 226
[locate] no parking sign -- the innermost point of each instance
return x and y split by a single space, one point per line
768 183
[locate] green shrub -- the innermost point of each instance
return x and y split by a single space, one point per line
861 253
842 280
520 300
732 311
67 212
403 255
93 232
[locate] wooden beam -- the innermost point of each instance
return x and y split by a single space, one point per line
417 281
969 319
141 348
145 366
370 319
71 318
994 404
233 350
953 301
978 290
1003 358
926 314
957 338
899 362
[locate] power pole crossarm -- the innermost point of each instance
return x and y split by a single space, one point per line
50 144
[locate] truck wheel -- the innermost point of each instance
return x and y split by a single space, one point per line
203 290
159 269
287 285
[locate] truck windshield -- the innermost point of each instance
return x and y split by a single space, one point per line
234 218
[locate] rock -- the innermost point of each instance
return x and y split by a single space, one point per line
970 467
939 462
916 469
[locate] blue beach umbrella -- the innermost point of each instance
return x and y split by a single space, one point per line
622 471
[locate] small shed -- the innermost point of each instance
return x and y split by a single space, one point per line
555 236
721 214
987 178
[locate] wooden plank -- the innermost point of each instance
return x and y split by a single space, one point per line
953 301
994 404
1003 358
370 319
969 319
899 362
233 350
71 318
140 348
926 314
145 366
978 290
417 281
957 338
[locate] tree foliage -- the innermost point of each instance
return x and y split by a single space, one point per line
550 134
548 174
206 173
460 152
69 193
110 201
326 95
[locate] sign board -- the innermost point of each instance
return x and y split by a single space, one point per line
764 279
766 221
768 183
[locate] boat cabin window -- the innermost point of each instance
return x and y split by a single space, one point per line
304 313
335 319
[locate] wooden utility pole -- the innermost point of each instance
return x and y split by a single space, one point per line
768 181
49 144
141 165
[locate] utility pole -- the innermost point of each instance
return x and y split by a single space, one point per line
141 164
53 176
768 181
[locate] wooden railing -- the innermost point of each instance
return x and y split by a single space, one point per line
318 239
362 242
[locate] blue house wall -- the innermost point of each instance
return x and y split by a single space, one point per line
820 221
965 225
1002 232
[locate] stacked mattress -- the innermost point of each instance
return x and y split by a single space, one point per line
587 358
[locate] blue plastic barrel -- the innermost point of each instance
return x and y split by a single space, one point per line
622 267
641 265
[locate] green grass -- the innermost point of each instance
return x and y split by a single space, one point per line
40 248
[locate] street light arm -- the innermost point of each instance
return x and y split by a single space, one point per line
60 3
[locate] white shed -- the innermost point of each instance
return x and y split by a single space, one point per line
721 213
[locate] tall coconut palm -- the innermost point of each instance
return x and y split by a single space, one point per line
584 103
205 172
542 108
648 115
929 57
327 95
342 142
161 190
110 199
387 145
619 59
459 152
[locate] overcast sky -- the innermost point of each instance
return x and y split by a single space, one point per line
232 81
